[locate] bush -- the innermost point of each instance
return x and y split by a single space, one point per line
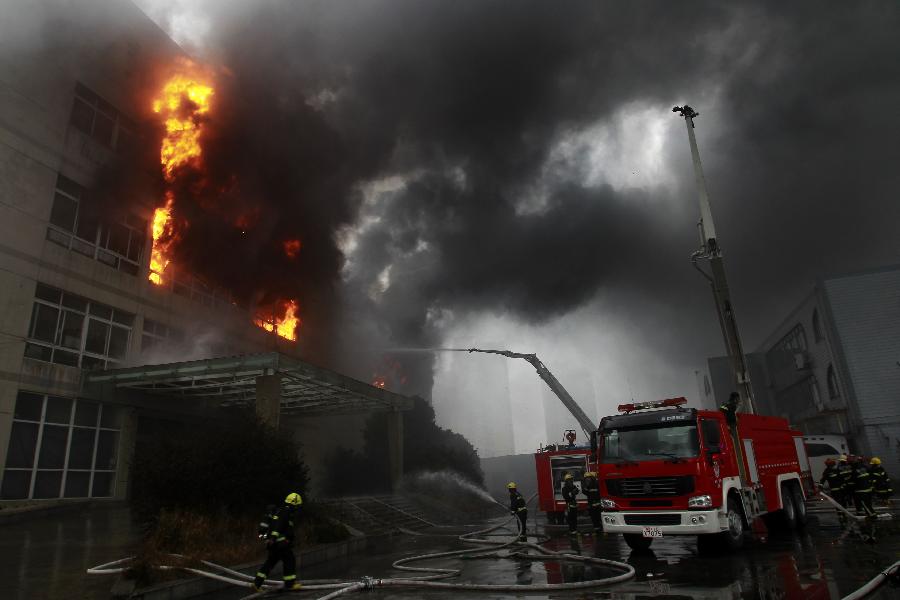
426 447
233 467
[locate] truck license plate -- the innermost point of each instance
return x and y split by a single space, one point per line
652 532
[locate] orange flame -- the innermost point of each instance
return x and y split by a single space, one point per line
379 382
286 326
291 248
182 103
163 236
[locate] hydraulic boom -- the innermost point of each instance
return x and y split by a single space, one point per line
553 383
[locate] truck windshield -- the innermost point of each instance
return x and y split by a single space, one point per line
650 443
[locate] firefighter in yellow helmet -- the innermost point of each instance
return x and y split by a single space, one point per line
881 483
570 492
518 507
845 475
591 489
279 536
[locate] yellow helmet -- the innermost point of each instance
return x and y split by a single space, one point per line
293 499
843 458
568 476
590 474
875 461
511 485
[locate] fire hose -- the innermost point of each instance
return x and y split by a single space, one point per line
430 574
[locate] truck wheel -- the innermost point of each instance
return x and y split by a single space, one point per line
788 508
637 542
799 505
734 536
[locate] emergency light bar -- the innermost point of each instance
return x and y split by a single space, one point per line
627 408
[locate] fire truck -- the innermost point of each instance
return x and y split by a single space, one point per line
670 470
554 461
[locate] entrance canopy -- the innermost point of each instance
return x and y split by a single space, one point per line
232 381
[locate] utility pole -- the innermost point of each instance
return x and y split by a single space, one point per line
711 251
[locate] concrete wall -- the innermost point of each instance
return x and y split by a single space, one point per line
866 318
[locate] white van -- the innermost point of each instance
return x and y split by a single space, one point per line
822 447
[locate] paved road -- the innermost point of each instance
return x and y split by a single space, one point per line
815 564
46 558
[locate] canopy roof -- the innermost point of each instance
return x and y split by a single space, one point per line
231 381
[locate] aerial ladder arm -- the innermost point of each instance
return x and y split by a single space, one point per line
553 383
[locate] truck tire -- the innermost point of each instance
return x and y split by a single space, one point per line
636 542
799 505
733 537
788 508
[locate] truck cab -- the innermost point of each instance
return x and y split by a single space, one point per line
670 470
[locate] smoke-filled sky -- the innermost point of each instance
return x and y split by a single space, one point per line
512 173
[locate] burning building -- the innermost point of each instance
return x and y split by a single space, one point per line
110 204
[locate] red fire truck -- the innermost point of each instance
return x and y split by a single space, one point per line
551 463
670 470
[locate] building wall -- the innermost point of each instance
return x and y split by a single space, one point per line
865 312
108 49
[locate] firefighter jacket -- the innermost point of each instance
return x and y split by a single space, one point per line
881 483
591 488
845 472
862 484
517 502
265 523
281 528
832 476
569 493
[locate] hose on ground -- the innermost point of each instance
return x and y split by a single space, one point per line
488 547
892 572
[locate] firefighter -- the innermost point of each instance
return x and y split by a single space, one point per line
591 489
832 477
518 507
845 473
881 483
569 493
862 487
279 536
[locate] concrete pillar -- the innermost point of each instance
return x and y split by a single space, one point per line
395 446
268 399
127 441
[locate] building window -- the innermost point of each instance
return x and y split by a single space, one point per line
817 326
794 341
70 330
157 335
834 391
61 448
76 224
99 119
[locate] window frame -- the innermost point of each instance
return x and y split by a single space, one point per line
123 128
71 427
88 314
97 248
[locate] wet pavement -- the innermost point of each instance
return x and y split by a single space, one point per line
815 564
47 555
47 558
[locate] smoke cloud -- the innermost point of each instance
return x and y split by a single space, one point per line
448 164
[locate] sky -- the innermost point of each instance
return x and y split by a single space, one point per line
511 173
